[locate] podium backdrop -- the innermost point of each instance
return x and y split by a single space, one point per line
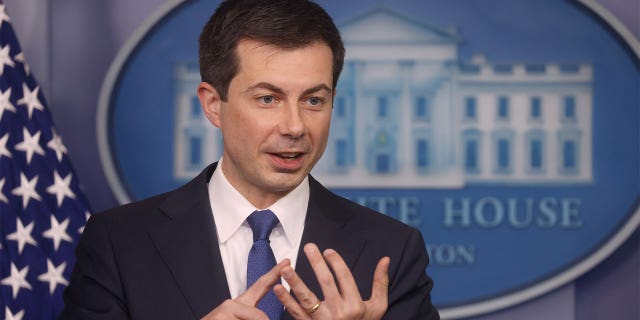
507 132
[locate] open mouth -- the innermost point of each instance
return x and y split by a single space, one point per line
288 156
287 161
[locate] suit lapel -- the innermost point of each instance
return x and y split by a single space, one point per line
326 226
187 243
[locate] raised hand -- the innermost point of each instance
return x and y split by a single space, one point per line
342 299
244 306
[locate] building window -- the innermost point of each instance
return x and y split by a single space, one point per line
471 153
381 153
195 151
503 150
536 69
534 151
536 108
341 153
422 109
503 108
470 69
195 108
503 69
569 156
383 163
569 68
422 154
470 108
471 147
569 145
383 105
569 109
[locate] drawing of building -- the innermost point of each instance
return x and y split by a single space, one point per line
525 122
409 114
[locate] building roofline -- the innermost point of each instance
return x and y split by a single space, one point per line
449 35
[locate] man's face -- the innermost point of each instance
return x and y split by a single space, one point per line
275 122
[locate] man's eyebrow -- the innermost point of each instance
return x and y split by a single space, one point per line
317 88
265 85
278 90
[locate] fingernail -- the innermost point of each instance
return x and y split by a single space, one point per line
308 248
329 251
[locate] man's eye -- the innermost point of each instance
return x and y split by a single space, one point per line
267 99
314 101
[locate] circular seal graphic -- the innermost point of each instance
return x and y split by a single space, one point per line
506 131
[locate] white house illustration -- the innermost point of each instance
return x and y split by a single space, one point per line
409 114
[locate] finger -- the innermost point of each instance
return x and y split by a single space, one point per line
306 298
230 309
380 287
348 286
323 274
291 305
262 285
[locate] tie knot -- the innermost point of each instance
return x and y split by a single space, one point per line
261 223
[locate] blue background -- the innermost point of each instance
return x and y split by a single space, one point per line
70 45
505 31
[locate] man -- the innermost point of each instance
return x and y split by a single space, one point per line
208 250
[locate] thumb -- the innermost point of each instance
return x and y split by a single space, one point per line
262 285
380 287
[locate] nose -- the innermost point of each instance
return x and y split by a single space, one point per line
291 123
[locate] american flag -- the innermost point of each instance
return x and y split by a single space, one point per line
42 210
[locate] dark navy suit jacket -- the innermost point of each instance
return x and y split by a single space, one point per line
159 258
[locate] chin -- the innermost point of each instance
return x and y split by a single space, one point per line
285 182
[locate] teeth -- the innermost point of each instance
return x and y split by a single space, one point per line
288 155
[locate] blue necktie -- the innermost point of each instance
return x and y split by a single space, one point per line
261 259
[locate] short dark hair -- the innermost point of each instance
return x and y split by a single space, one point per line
286 24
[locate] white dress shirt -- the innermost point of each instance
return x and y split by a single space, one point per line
235 238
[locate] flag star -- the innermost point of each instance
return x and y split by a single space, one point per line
54 276
20 58
3 14
56 145
87 214
27 190
60 187
29 98
5 58
3 146
22 235
30 144
8 315
5 102
3 198
58 232
17 279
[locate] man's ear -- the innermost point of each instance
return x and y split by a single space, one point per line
210 102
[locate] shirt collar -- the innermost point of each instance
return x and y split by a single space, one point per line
230 208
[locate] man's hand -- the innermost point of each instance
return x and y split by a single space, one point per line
244 306
342 301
